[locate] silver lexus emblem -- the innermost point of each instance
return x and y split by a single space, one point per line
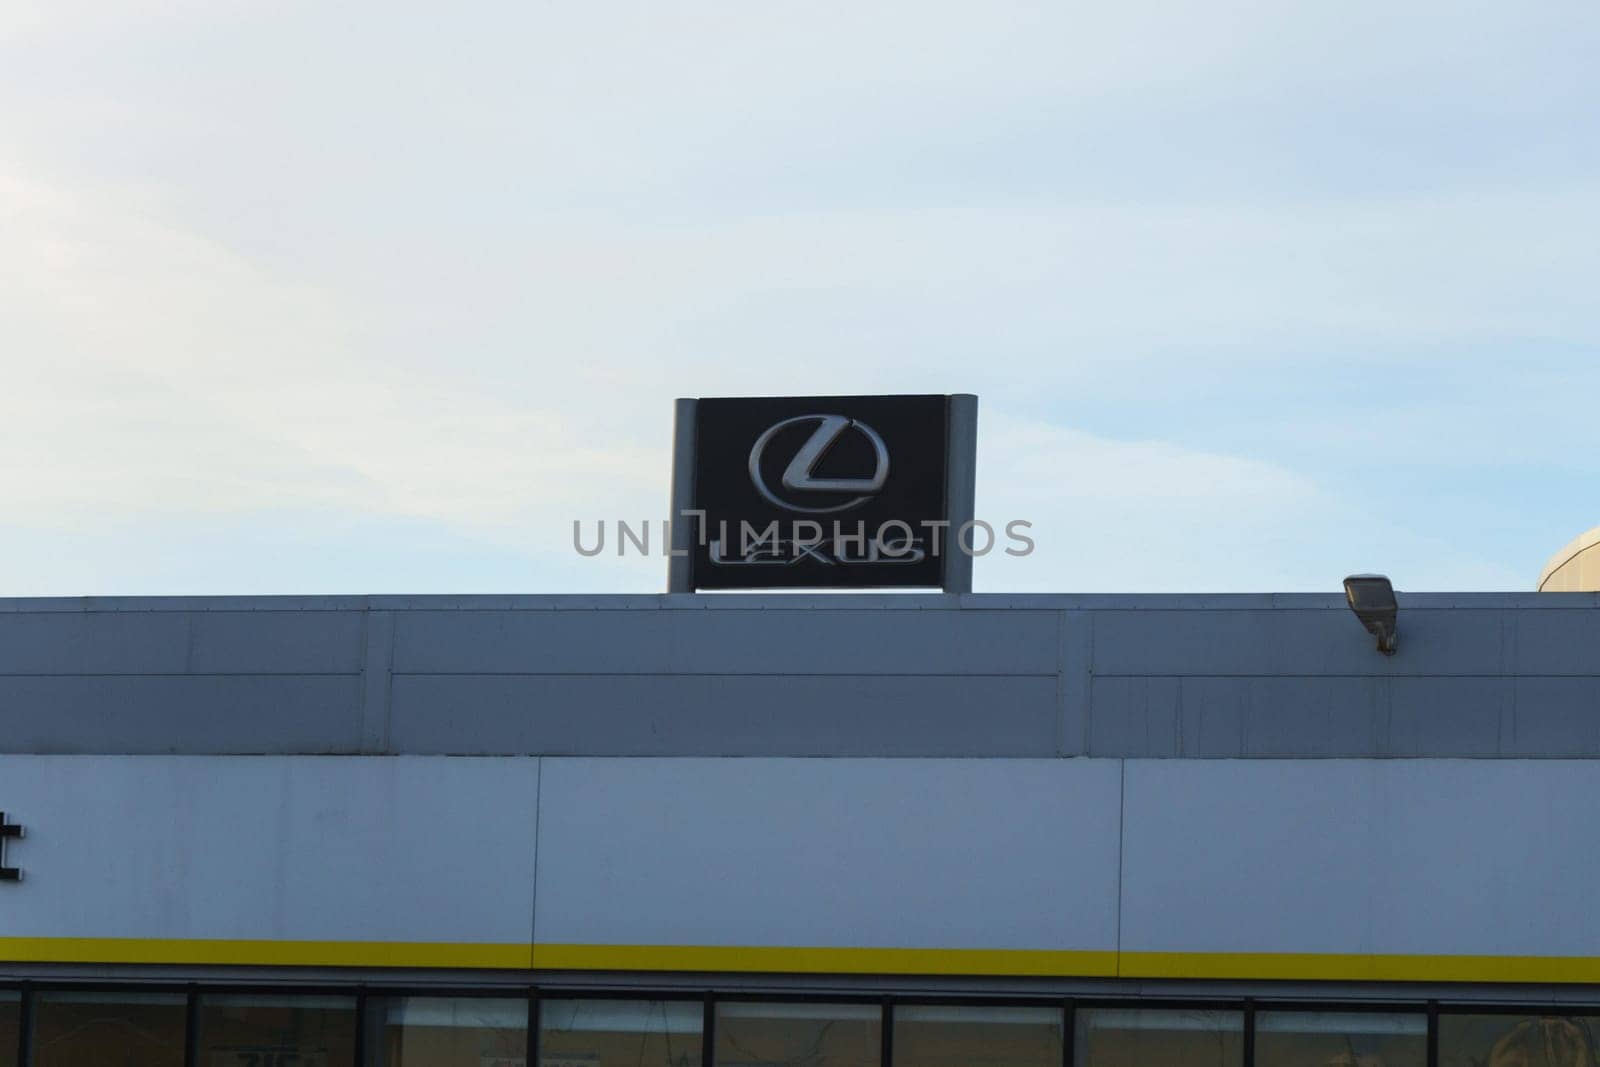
798 477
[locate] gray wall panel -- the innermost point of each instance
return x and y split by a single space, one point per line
1431 858
98 643
856 642
1256 857
1425 857
1234 717
181 713
743 715
277 642
596 642
1488 857
1554 642
1554 717
154 642
1457 641
1074 688
1496 675
1293 716
865 853
1216 718
815 641
243 847
1279 642
1337 718
1135 716
1448 716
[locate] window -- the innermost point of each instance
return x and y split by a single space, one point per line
935 1036
128 1029
798 1035
1340 1039
1516 1041
1141 1037
69 1025
10 1026
277 1031
620 1033
452 1031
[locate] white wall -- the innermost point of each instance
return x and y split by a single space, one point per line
1396 865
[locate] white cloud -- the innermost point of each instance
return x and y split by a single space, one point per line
372 265
150 371
1115 515
1112 515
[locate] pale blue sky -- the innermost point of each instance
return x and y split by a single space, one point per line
371 297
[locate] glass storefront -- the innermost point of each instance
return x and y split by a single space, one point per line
71 1029
1147 1037
620 1033
451 1032
798 1035
47 1025
10 1026
1516 1041
277 1031
983 1036
1341 1039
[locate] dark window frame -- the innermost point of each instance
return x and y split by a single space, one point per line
365 993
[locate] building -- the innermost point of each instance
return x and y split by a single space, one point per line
1576 568
800 830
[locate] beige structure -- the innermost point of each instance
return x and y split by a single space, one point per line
1576 568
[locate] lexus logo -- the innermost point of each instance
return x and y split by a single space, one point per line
799 477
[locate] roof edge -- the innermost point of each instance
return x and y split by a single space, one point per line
795 602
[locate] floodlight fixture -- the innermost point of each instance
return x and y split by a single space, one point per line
1371 597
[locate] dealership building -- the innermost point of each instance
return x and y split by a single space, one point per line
800 830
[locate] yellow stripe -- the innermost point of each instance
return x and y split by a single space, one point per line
263 953
799 960
792 960
1354 968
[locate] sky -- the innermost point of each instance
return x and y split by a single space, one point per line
380 298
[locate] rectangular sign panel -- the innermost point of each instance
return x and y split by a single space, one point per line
820 492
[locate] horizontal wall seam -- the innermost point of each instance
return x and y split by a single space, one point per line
970 604
1041 673
1050 673
1511 677
356 673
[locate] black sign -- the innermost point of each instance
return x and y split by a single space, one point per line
838 492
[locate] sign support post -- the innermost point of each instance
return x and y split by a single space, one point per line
960 492
679 578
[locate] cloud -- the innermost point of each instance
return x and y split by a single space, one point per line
205 382
369 269
1111 515
152 372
